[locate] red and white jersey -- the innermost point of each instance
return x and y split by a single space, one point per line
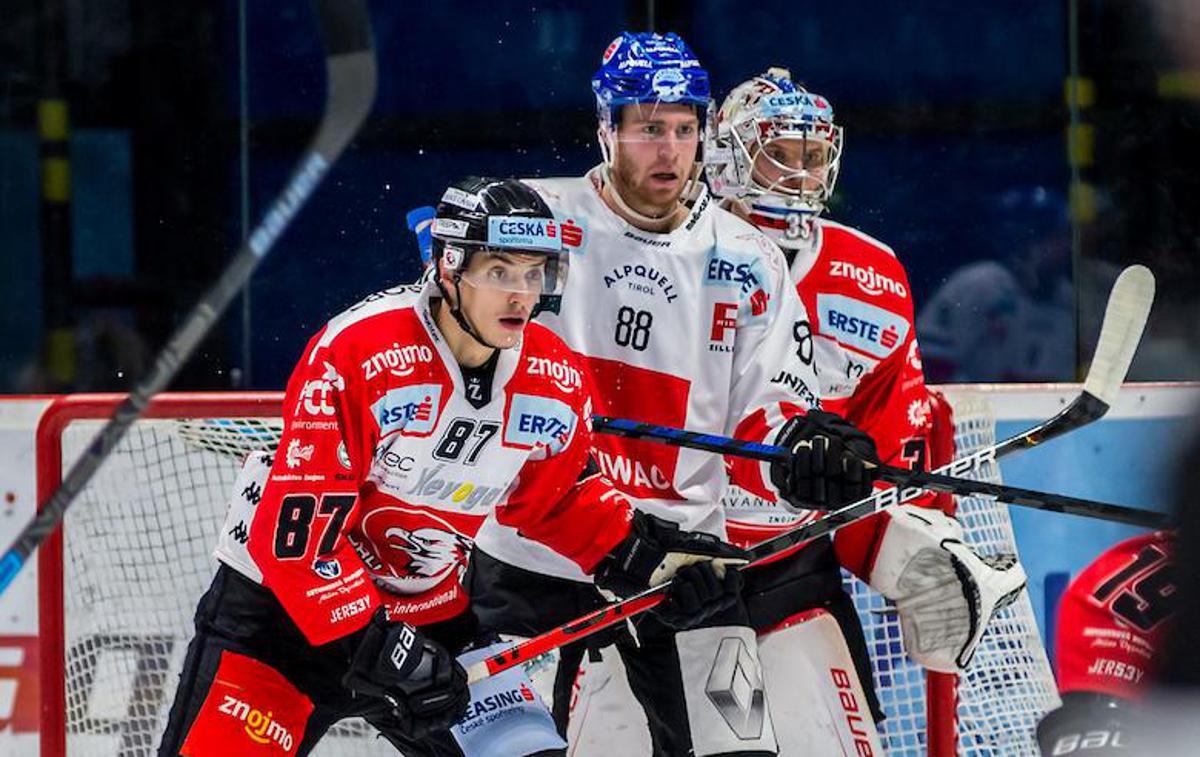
696 328
1114 617
867 361
385 472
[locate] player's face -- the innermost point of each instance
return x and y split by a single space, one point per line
792 163
499 293
655 153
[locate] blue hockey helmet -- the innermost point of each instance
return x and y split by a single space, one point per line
644 67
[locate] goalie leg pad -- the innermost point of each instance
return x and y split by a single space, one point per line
817 701
945 593
606 719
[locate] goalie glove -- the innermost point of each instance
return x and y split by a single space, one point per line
945 593
657 551
424 688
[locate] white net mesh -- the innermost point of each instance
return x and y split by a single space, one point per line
1009 685
137 557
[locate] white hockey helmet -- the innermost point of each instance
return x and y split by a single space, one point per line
777 149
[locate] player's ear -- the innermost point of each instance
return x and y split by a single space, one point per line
449 291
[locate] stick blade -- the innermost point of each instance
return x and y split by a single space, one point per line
1124 320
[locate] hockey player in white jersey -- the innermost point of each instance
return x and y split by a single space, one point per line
692 321
775 159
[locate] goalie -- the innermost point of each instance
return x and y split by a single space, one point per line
775 161
414 417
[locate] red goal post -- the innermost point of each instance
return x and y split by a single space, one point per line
136 555
58 416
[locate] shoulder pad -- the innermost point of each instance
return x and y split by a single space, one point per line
854 236
396 298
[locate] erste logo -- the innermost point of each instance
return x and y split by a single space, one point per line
411 410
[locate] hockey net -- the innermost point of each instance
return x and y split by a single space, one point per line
119 585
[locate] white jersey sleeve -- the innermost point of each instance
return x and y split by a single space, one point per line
773 372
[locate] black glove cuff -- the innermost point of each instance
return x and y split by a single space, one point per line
631 563
387 654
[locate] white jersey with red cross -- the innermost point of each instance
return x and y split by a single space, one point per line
695 328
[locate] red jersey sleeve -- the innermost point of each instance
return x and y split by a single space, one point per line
310 501
560 501
891 403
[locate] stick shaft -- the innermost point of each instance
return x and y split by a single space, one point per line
1129 303
350 62
1067 420
1032 498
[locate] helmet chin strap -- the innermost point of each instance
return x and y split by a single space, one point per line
459 316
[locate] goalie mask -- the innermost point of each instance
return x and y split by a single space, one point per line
777 149
505 218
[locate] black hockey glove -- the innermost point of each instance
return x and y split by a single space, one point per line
424 686
698 566
833 463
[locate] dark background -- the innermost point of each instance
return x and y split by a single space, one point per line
1012 203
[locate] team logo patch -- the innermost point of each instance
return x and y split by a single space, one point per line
327 569
298 453
797 104
669 84
611 50
873 330
523 233
746 274
251 709
410 552
465 200
573 231
869 280
724 322
412 410
534 422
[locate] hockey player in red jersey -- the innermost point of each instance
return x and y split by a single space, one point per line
1113 621
412 418
775 159
692 321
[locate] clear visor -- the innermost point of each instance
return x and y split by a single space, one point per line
658 122
517 271
796 164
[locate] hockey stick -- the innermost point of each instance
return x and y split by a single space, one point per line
938 481
350 67
1124 320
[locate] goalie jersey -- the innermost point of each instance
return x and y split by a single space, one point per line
864 346
385 471
698 328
